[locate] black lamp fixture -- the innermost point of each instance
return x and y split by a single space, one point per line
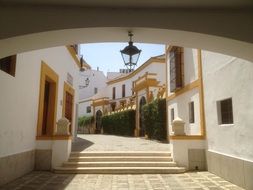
86 83
82 69
87 80
130 53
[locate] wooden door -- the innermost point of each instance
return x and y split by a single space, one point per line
45 108
69 108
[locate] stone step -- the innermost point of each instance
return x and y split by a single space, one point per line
121 153
120 170
119 164
120 158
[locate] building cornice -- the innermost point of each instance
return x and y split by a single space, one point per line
143 66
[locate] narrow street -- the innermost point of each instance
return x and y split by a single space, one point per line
116 143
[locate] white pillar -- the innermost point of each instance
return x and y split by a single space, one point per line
185 153
60 152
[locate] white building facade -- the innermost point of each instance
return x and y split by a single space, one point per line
96 83
228 110
128 89
39 89
205 90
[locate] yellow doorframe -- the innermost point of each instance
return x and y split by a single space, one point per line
70 90
47 74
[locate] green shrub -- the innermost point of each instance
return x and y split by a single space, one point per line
155 119
85 120
121 123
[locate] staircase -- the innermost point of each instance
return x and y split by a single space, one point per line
120 163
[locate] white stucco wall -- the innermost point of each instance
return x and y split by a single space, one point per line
82 108
190 65
20 97
154 67
225 77
181 110
97 80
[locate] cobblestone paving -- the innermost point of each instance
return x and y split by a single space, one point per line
117 143
51 181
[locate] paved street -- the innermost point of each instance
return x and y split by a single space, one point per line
117 143
189 181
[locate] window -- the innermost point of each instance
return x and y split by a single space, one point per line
88 109
113 93
225 111
95 90
172 115
191 112
176 69
8 64
123 90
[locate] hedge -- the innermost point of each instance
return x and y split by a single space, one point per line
121 123
85 120
155 119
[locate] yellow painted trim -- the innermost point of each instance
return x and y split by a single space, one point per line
143 66
74 56
119 99
55 137
70 90
166 90
185 89
136 131
144 76
50 75
100 102
187 137
145 84
201 97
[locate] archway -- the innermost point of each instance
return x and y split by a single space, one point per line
24 43
141 118
98 121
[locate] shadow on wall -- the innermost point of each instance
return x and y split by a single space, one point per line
81 144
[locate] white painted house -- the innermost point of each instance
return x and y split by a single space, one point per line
37 89
96 81
228 96
130 89
211 93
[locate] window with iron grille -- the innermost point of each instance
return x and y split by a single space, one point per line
172 115
95 90
191 112
8 64
225 111
113 93
88 109
123 90
176 69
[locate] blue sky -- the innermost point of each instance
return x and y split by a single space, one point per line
107 56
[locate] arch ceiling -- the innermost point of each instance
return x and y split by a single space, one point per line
224 26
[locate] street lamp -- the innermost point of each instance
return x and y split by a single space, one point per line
130 54
82 67
86 83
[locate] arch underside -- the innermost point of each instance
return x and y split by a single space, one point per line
30 27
